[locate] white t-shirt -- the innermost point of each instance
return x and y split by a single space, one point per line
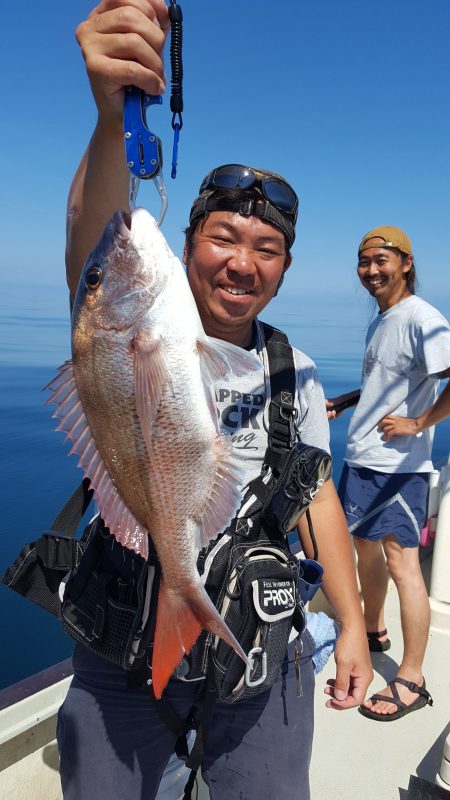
407 347
242 409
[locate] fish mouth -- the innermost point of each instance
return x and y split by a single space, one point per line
126 219
121 226
133 227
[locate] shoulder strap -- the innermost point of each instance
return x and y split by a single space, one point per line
72 512
282 411
58 548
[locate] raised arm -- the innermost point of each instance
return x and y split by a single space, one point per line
353 667
122 43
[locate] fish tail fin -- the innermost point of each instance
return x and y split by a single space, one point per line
179 622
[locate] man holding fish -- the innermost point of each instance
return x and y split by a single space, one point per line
156 455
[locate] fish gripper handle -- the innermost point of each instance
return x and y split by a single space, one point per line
142 147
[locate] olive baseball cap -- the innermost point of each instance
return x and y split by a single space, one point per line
386 236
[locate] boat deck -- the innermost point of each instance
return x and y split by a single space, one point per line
355 757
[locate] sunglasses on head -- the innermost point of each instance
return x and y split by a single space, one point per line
236 176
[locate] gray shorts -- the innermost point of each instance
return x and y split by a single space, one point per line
113 744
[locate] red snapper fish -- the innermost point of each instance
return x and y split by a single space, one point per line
137 400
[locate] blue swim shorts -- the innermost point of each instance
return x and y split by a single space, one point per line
379 503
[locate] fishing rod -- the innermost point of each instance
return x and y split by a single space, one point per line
143 148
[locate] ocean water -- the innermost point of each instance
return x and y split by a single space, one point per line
36 475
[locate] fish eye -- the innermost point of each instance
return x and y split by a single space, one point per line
93 277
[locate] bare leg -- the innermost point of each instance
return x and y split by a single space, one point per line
373 576
404 566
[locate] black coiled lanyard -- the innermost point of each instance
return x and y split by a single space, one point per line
176 65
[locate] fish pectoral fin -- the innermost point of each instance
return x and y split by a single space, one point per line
219 359
179 622
150 378
72 419
226 496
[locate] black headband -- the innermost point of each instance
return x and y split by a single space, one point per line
209 201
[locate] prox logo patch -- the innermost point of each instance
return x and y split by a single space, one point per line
273 598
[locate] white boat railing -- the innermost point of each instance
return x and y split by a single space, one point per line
440 570
28 751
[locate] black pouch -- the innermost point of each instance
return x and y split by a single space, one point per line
108 613
254 587
107 606
33 578
305 470
41 566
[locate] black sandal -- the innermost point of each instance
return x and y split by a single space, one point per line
403 709
374 641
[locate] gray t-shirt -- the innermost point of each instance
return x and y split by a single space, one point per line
407 347
242 408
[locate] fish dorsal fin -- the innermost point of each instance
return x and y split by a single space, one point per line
150 378
219 359
225 496
72 419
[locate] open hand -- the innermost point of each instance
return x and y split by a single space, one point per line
353 672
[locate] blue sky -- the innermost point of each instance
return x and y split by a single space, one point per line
348 100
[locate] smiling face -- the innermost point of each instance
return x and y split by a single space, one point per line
234 269
382 272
